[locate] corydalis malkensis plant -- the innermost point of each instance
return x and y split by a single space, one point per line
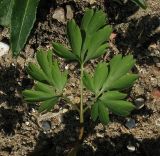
89 41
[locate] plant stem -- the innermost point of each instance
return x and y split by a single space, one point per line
81 105
81 91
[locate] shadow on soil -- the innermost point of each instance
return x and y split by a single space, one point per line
118 13
138 37
63 141
11 108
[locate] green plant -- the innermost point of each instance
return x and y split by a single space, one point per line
87 42
19 16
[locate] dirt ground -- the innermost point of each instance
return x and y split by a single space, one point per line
24 132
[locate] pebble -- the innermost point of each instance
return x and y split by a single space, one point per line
90 1
4 48
69 14
131 148
27 123
157 122
158 65
100 135
99 127
59 15
130 123
46 125
139 103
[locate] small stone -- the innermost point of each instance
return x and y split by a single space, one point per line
76 100
131 148
99 127
90 1
157 122
27 123
100 135
139 103
158 65
71 67
130 123
46 125
59 15
11 89
69 14
66 67
64 110
4 48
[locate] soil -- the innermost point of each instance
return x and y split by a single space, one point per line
24 132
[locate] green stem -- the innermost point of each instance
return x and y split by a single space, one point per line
81 91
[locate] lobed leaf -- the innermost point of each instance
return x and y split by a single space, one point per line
86 19
119 107
103 113
59 78
88 82
75 38
94 111
36 96
124 82
63 52
35 72
43 61
98 21
112 95
44 88
118 77
48 104
100 76
98 38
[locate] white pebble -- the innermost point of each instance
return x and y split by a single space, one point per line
4 48
27 123
131 148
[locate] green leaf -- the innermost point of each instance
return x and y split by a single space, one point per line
94 111
48 104
49 57
35 72
42 58
124 82
98 20
119 107
36 96
98 39
112 95
59 78
75 38
100 51
86 19
44 88
119 67
100 76
5 12
63 52
141 3
88 82
103 113
22 20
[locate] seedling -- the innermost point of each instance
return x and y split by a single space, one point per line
89 41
